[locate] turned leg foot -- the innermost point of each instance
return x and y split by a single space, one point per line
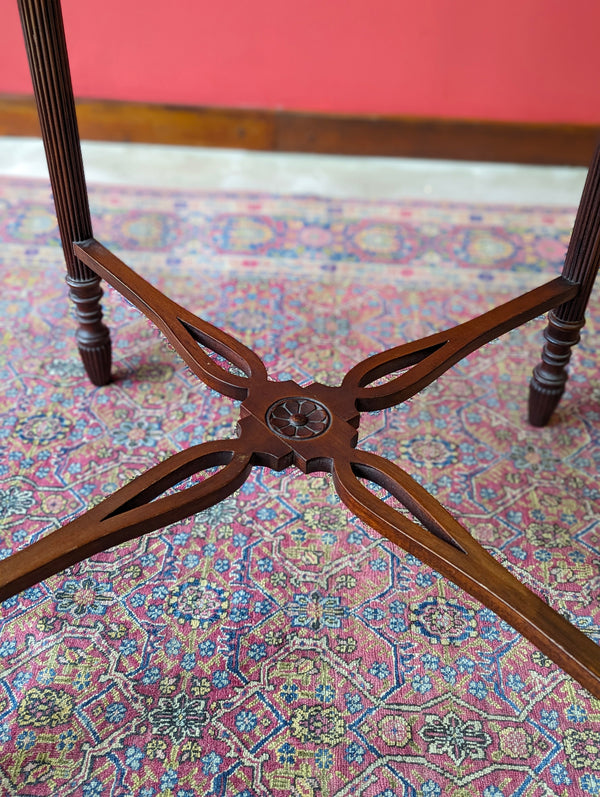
47 53
550 375
565 322
93 337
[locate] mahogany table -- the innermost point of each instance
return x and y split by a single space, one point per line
281 423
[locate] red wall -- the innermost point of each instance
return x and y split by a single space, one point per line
523 60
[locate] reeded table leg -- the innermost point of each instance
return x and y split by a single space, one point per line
47 53
566 321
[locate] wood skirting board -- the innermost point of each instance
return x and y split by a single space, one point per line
291 131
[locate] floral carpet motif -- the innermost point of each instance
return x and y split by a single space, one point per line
273 645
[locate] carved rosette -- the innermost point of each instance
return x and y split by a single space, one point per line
298 418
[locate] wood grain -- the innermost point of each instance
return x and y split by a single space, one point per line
46 48
294 131
284 424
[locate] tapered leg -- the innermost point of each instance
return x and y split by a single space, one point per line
566 321
48 62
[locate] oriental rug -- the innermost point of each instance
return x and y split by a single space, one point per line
274 645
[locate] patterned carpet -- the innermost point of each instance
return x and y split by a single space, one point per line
274 645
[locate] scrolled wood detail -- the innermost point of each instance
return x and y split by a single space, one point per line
318 434
188 334
136 509
447 547
144 505
426 359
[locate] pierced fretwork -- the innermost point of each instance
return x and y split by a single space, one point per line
283 424
319 435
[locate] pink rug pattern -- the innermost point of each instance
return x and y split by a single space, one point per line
274 645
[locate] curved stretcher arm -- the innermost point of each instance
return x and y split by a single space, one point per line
185 331
442 543
132 511
430 357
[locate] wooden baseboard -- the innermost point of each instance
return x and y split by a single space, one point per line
290 131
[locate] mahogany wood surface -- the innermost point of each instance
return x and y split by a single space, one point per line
283 424
565 322
47 54
277 430
338 134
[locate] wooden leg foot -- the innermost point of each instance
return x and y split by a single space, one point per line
550 375
93 337
565 322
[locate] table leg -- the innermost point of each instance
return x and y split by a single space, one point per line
47 52
566 320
